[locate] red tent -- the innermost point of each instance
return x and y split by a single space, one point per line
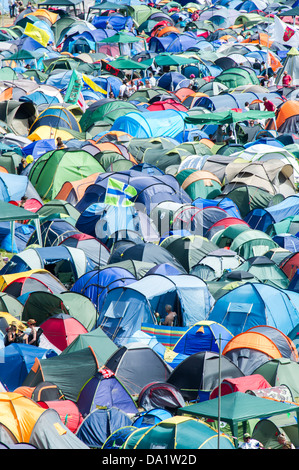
62 329
68 411
166 104
240 384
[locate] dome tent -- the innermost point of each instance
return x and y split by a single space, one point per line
254 304
105 390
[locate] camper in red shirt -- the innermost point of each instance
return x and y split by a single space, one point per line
269 106
286 79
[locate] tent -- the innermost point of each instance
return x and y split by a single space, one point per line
29 281
251 243
198 374
67 264
168 123
69 371
97 284
160 395
279 372
61 330
54 168
265 270
198 183
16 362
128 362
253 304
127 307
181 432
203 336
11 213
241 384
105 390
99 424
238 408
215 264
91 246
24 421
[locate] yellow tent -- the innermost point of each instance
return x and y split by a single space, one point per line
48 132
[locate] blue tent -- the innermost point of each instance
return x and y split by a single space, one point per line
203 336
100 424
13 187
151 189
224 203
164 269
39 147
97 284
172 80
168 123
16 361
253 304
104 391
39 97
287 241
110 223
151 417
173 42
260 219
126 308
117 22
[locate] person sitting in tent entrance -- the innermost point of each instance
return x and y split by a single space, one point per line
59 143
170 317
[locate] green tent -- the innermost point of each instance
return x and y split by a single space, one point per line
224 237
123 63
121 37
102 346
282 371
69 372
146 94
287 225
238 407
58 206
11 213
137 268
105 110
182 432
226 117
54 168
188 250
266 271
252 243
198 183
10 304
248 198
42 305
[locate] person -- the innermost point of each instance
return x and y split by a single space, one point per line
192 80
246 107
14 334
123 90
32 337
22 165
257 65
250 443
147 83
284 442
152 79
23 201
230 138
286 79
272 80
265 80
59 143
157 315
269 106
11 5
170 317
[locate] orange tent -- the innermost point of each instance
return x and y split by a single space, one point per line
183 93
288 109
166 30
253 341
76 189
263 40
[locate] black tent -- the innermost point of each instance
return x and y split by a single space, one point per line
198 374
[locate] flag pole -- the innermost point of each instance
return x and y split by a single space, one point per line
219 391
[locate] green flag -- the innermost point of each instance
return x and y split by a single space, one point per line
73 89
119 193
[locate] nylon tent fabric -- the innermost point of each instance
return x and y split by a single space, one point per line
52 169
255 304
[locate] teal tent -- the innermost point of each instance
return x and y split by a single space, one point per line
238 408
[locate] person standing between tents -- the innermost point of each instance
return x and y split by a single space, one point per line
286 79
170 317
250 443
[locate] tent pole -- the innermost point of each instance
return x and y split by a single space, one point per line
38 231
219 392
12 231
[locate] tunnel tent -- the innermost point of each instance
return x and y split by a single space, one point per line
107 110
18 116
